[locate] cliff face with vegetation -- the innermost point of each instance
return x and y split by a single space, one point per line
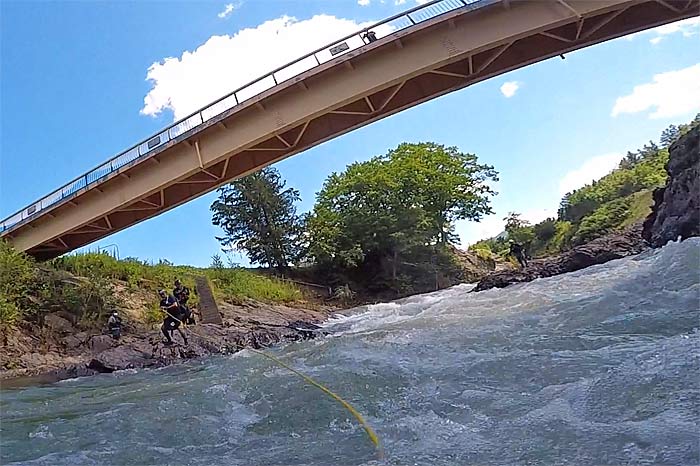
603 207
676 212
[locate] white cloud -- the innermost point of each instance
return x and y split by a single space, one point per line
471 232
422 2
224 63
509 88
687 27
535 216
363 2
672 94
228 9
399 2
592 169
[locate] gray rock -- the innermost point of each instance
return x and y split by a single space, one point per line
119 358
676 211
100 343
58 324
33 359
71 342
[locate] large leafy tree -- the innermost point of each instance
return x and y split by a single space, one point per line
392 205
258 216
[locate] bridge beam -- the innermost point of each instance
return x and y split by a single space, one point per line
435 57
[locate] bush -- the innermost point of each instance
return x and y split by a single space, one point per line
561 241
17 274
153 314
604 220
523 235
236 284
9 312
483 253
344 294
494 245
545 230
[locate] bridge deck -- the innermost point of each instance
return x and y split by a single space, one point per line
428 52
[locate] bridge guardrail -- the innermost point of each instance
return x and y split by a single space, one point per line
284 73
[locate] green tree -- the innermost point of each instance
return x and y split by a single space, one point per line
258 216
216 262
392 208
545 230
669 136
17 276
518 229
447 184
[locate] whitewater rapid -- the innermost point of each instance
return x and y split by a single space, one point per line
600 366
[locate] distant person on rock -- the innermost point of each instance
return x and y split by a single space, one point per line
517 251
182 294
173 317
114 323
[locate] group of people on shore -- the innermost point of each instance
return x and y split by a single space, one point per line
176 311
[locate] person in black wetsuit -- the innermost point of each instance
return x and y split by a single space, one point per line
517 251
182 294
173 317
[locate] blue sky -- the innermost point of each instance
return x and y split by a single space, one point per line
75 75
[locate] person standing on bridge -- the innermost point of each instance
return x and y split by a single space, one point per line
173 317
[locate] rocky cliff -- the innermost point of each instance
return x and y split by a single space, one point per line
676 211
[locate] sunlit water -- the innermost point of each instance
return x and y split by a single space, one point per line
595 367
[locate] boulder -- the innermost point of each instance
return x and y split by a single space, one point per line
71 342
58 324
119 358
676 211
613 246
100 343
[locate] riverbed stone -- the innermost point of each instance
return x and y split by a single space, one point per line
119 358
58 324
100 343
71 342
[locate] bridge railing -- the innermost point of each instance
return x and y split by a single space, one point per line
190 123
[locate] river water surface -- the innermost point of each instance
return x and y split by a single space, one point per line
596 367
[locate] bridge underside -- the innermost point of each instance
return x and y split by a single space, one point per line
399 72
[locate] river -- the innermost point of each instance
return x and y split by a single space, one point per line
601 366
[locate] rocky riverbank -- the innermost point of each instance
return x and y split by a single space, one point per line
57 350
598 251
675 214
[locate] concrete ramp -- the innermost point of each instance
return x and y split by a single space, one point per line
207 305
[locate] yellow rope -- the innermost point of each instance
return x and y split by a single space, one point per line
370 433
